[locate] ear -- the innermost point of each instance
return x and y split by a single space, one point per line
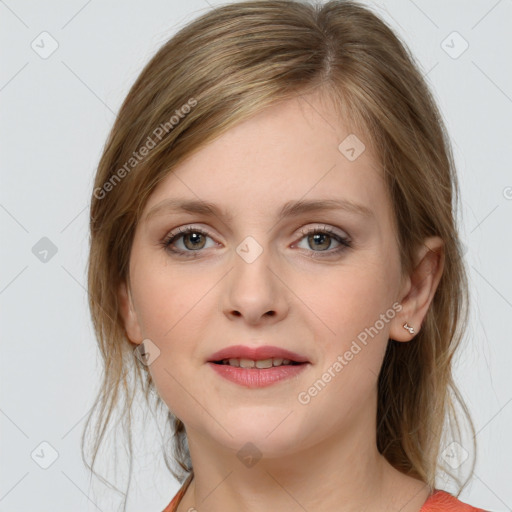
131 322
419 289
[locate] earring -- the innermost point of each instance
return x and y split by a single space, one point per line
409 328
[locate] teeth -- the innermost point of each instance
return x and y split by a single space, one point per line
264 363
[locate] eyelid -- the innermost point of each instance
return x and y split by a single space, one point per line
326 229
183 230
304 230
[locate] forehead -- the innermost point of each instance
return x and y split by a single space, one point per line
297 149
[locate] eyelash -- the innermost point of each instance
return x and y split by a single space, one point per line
172 237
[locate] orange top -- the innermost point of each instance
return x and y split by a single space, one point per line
438 501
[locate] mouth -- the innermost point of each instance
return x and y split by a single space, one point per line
258 364
257 372
262 357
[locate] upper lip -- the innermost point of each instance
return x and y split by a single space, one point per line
256 353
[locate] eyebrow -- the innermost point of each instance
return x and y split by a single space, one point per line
289 209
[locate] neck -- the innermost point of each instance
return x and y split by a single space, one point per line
344 474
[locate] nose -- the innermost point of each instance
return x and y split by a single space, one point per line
254 291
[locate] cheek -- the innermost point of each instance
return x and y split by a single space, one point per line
356 311
168 301
173 310
351 355
351 300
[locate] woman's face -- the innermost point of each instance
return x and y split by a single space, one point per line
256 277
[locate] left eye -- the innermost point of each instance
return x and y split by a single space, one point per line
322 239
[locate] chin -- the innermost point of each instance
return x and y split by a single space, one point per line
269 439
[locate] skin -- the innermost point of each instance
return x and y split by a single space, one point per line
316 456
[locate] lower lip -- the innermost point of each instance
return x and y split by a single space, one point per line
257 377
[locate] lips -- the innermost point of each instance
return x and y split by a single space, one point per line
256 354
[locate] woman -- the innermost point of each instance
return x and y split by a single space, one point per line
274 253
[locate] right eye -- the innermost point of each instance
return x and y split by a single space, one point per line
193 240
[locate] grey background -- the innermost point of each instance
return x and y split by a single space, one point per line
56 114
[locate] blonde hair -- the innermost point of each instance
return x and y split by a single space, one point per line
227 65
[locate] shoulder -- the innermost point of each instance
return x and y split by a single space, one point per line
173 505
441 501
